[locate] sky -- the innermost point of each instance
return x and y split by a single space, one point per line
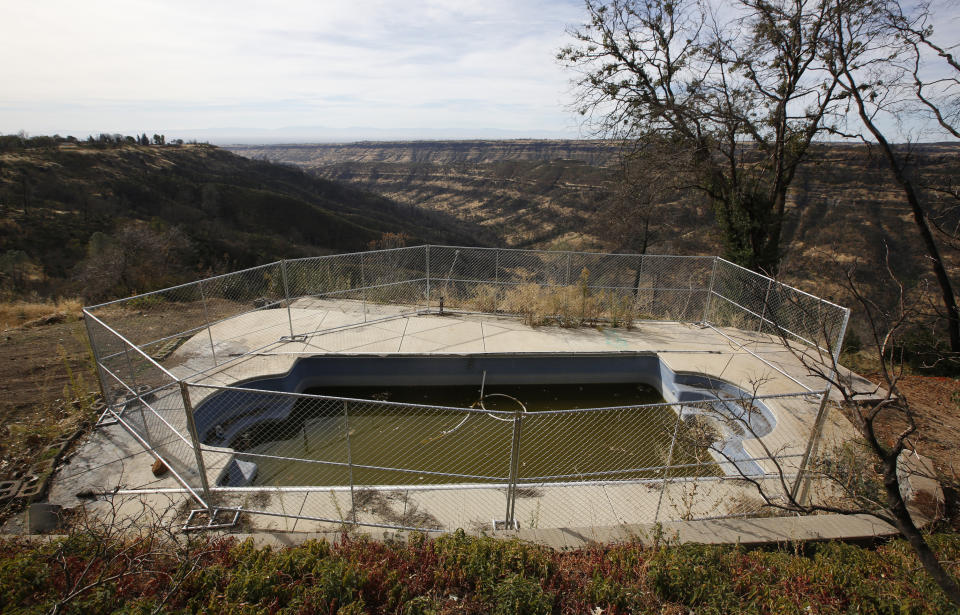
265 71
243 71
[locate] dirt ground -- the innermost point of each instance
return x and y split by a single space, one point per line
47 381
936 401
43 370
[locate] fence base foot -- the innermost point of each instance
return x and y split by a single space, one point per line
211 519
503 524
300 337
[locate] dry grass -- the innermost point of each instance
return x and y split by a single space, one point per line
742 503
26 313
485 298
574 305
22 441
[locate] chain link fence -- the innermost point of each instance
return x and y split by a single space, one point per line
570 288
373 462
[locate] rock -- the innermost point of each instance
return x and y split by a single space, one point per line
919 487
159 468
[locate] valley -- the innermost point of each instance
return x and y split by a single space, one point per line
843 205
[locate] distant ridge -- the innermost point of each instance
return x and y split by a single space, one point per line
594 152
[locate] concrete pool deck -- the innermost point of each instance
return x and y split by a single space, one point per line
247 346
252 346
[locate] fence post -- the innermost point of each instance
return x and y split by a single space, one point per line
811 448
706 304
206 316
509 522
496 278
104 395
428 277
763 310
346 430
363 287
567 276
195 439
286 292
663 486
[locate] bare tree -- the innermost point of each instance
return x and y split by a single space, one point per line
879 55
635 219
741 98
936 90
117 545
867 479
137 256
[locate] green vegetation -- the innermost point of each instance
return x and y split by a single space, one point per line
86 573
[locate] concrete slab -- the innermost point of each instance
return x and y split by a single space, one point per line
747 532
250 346
109 459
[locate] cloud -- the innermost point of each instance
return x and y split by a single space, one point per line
134 65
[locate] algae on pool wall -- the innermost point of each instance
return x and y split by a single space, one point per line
390 444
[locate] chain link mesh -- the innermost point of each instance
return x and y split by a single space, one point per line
569 287
146 400
403 465
743 299
432 467
357 282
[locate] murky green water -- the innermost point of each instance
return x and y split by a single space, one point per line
440 446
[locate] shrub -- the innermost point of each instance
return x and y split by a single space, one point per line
484 298
459 573
516 595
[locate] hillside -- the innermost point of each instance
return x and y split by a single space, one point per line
67 207
844 204
528 193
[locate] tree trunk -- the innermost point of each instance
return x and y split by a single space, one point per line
920 218
928 559
643 250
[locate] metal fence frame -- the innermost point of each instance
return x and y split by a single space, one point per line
154 404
